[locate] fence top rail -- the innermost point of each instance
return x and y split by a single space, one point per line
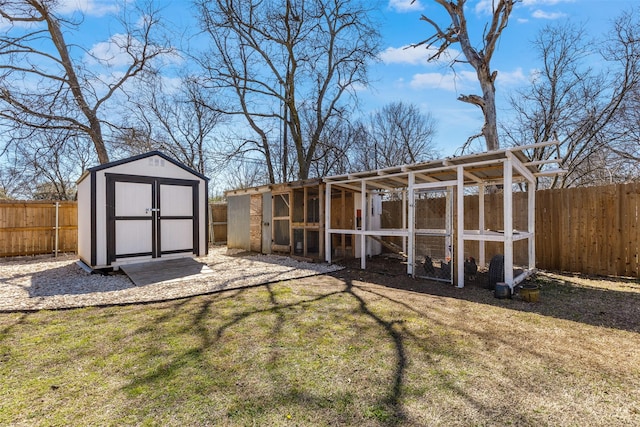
36 202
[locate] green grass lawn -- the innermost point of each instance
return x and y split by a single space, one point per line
324 351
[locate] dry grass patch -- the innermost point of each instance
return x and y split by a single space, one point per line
330 351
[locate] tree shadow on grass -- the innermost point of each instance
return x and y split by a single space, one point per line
560 298
257 388
284 389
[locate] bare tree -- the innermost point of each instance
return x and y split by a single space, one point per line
179 121
578 105
456 31
627 126
283 58
245 173
45 166
335 152
397 134
45 86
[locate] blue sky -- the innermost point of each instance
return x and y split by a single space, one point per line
404 74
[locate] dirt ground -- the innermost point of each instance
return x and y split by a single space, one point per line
601 301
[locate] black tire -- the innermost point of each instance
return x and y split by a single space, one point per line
496 271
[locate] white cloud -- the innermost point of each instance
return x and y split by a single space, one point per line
465 80
96 8
511 78
403 6
118 51
541 14
484 7
415 55
171 84
531 3
432 81
449 82
112 52
88 7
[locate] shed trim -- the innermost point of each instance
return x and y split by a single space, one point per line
140 157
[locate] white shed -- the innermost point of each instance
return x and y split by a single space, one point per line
143 208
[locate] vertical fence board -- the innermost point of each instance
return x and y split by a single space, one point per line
28 228
634 233
218 222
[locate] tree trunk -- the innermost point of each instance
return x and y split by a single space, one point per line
490 128
95 130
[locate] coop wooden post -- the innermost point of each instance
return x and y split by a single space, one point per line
412 223
460 226
323 221
508 221
327 222
363 225
404 220
531 190
481 244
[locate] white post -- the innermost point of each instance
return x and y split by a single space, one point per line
404 220
481 244
450 248
531 206
460 226
412 223
508 221
363 225
327 223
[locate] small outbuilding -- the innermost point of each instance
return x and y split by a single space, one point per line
143 208
290 218
433 216
446 211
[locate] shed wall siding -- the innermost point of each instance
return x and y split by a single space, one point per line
84 220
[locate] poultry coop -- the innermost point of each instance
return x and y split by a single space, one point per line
443 219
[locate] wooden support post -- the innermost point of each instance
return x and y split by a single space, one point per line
531 212
369 219
291 242
327 225
450 247
460 227
507 199
323 225
411 230
404 220
482 261
363 225
304 220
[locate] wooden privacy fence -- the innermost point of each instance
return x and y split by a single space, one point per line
218 223
32 228
591 230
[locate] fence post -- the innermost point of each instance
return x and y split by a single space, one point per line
57 228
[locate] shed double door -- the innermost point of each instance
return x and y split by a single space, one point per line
151 216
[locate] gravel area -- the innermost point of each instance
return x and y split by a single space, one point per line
57 283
